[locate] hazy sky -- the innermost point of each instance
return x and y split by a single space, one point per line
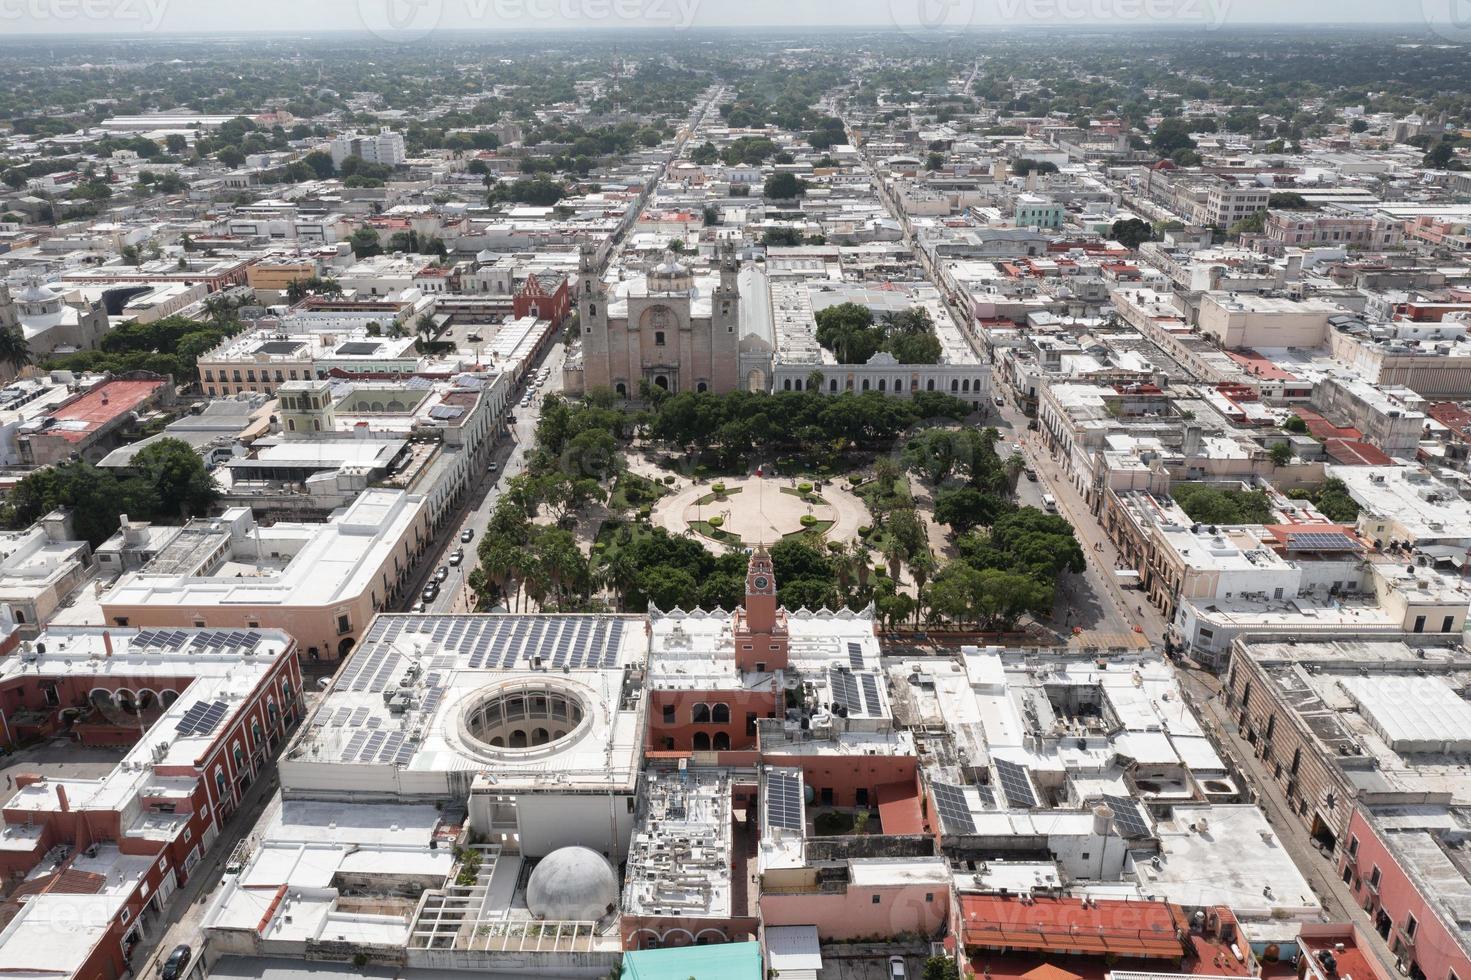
410 19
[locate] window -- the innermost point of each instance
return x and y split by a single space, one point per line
1448 624
658 338
669 714
120 620
1374 877
1419 624
700 714
1410 925
344 624
1353 845
721 714
875 900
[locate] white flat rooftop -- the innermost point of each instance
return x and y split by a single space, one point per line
429 667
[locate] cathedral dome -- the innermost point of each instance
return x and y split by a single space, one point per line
572 884
670 276
35 292
671 266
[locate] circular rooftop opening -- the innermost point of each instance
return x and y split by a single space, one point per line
523 716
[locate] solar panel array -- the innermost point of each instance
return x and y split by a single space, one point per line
202 718
845 690
855 655
858 693
1016 784
1127 816
955 814
783 800
196 641
1322 541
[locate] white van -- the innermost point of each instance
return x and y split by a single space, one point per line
1049 503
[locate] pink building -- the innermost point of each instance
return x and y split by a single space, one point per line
1412 880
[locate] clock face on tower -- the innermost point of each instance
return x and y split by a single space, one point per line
760 582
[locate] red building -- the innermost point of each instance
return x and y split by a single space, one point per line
202 712
547 296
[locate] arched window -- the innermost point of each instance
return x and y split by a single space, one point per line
865 384
930 385
700 714
898 384
702 386
291 425
965 386
720 715
622 389
786 384
954 385
882 385
721 742
701 742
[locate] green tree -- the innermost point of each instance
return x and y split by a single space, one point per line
321 164
177 477
1288 201
1131 232
783 186
964 508
15 350
365 242
1170 135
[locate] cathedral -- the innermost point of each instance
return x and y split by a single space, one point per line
674 330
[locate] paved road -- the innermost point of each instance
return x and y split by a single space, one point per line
510 459
186 907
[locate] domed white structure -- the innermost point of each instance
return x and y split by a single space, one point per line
573 883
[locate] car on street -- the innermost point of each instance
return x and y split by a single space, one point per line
177 965
1031 474
468 534
430 593
473 338
493 467
441 573
417 607
457 557
1000 402
896 968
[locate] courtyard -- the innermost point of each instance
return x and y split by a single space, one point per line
752 510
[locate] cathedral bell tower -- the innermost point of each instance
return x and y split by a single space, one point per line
592 315
761 641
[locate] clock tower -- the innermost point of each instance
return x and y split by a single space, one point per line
761 637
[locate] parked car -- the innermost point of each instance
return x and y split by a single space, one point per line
178 962
896 968
1031 474
493 467
441 573
468 534
473 338
417 607
457 557
1000 402
430 593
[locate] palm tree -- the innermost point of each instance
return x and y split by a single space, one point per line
15 350
921 565
220 310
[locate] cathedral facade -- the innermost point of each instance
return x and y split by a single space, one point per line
668 329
